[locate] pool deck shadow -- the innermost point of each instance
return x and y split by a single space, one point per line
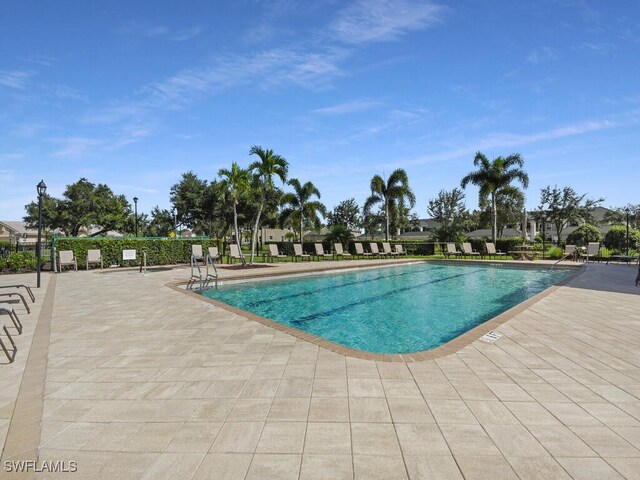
142 381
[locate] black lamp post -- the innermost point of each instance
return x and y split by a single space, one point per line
175 224
135 201
627 212
41 188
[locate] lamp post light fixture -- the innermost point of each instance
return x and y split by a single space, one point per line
42 189
175 223
626 210
135 201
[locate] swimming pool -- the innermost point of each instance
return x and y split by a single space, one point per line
401 309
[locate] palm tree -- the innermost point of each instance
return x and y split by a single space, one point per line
235 183
494 177
299 209
265 169
393 194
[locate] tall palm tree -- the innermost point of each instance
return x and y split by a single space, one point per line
299 207
494 177
268 166
235 183
393 194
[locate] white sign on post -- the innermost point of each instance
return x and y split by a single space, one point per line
128 255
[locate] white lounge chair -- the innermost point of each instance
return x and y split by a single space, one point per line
452 250
468 251
274 252
492 252
298 253
337 247
235 253
360 250
94 256
373 247
400 249
214 253
592 252
386 248
320 252
66 257
196 251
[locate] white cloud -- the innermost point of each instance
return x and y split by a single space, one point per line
14 78
542 54
381 20
161 31
76 146
347 107
273 67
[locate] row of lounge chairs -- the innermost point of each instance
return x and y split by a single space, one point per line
338 252
468 251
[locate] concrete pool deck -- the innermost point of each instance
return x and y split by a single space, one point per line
137 380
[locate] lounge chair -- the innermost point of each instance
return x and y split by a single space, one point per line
274 252
400 249
592 252
386 249
94 256
196 251
66 257
9 299
337 247
7 309
452 250
298 253
214 254
235 253
320 252
492 252
570 251
373 246
468 251
10 356
26 287
360 251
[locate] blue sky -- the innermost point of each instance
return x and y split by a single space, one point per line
133 93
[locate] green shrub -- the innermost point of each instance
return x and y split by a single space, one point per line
508 244
554 253
616 238
583 235
160 251
18 261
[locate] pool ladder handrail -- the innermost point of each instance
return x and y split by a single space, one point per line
564 256
210 274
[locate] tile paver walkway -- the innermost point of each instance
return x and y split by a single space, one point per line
143 381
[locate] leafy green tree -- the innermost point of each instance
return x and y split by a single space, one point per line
584 234
265 169
340 234
299 210
84 205
235 184
160 224
563 205
493 177
616 238
448 210
510 207
619 215
373 223
394 195
346 213
188 198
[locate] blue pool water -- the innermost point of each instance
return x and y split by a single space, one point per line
400 309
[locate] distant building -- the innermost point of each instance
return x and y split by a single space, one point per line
17 232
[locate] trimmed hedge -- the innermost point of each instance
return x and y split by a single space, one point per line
160 251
